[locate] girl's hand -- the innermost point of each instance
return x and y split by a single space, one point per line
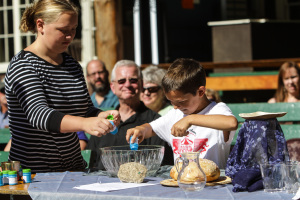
97 126
115 113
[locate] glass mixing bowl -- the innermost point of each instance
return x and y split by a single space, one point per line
149 155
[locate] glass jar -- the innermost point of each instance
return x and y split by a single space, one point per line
1 179
12 178
190 176
5 177
26 175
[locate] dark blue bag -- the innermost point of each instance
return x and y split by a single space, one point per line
258 141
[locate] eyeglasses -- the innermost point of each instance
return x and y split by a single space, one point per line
151 89
99 73
131 80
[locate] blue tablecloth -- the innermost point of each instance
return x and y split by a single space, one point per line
52 186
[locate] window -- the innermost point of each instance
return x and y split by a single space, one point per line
11 39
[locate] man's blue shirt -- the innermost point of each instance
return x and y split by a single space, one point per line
110 101
3 119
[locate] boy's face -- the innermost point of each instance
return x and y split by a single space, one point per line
187 102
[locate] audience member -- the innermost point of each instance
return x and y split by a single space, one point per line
97 77
195 123
83 140
288 89
126 84
47 96
212 95
152 94
3 109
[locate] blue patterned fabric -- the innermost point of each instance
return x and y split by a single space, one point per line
258 141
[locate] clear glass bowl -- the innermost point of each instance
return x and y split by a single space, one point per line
149 155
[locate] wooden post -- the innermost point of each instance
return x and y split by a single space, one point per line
107 40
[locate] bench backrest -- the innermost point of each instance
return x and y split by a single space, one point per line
292 109
4 135
4 156
293 115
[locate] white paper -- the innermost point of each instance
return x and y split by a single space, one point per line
297 196
105 187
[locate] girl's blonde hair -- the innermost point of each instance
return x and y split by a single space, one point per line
47 10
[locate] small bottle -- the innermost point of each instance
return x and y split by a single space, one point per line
115 130
26 175
1 179
12 178
5 177
20 173
135 145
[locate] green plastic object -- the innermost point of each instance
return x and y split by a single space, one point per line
26 170
12 172
110 117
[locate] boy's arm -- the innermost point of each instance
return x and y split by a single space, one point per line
219 122
141 132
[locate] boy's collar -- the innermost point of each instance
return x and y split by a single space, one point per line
207 108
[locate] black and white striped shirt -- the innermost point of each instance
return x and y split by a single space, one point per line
39 94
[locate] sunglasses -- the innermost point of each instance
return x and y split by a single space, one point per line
151 89
131 80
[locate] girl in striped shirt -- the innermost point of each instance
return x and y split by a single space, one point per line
47 97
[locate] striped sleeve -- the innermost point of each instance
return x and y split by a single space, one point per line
29 94
39 95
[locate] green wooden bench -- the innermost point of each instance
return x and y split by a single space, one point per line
293 115
4 156
252 73
86 154
4 135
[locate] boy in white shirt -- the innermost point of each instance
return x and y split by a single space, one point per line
195 123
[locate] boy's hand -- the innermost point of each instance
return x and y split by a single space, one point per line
179 129
137 132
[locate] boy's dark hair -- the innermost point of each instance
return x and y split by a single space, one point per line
184 75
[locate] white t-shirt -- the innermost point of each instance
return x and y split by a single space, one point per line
209 142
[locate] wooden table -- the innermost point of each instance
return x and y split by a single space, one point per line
13 190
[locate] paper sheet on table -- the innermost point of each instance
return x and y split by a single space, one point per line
297 196
105 187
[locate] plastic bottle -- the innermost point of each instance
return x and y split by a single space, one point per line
26 175
135 145
115 130
5 177
12 178
1 179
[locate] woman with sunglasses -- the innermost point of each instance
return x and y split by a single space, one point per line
152 94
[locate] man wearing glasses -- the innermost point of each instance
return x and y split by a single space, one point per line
126 84
97 77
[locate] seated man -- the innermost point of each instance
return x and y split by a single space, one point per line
97 77
126 84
